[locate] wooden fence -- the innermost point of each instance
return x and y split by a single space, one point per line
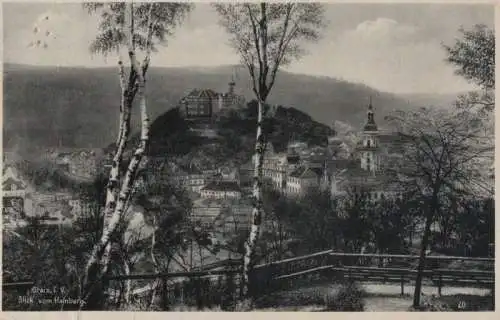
219 284
381 268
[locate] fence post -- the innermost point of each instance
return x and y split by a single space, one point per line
440 283
182 292
402 284
198 293
164 294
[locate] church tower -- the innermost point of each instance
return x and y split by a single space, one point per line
231 86
369 148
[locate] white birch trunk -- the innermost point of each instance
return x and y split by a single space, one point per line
257 205
257 212
155 263
95 267
114 176
128 283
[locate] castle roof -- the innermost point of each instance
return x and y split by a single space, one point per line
202 93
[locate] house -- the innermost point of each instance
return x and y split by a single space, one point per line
228 173
357 181
230 100
80 163
205 103
220 214
221 190
365 170
22 199
302 179
199 103
297 146
15 193
194 181
337 148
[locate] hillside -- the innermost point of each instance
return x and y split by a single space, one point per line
51 106
437 100
170 135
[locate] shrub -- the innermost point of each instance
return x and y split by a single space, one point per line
432 303
458 302
348 298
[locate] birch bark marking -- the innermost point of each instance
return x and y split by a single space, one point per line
119 189
99 259
128 283
155 263
114 176
257 205
266 36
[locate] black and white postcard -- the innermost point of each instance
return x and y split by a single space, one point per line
248 156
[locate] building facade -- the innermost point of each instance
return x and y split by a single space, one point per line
363 172
221 190
206 103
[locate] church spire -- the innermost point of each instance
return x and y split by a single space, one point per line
231 85
370 123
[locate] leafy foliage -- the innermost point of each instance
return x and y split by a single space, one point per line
52 256
348 298
166 209
170 134
475 226
165 17
446 151
268 36
474 55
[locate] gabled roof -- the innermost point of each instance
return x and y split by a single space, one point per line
306 173
315 157
9 182
202 93
336 165
226 186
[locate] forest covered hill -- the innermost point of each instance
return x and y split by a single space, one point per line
78 107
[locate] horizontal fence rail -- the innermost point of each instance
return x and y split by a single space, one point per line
219 283
17 285
189 274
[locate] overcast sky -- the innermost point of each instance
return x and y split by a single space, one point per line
391 47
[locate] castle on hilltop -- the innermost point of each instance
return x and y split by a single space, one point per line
206 103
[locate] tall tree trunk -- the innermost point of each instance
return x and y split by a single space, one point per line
96 266
155 264
114 176
250 245
128 283
425 243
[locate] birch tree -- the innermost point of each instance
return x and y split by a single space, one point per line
446 153
267 37
130 27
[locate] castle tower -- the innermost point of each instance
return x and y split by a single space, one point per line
369 149
231 86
